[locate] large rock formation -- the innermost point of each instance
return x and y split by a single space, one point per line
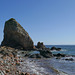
16 36
40 45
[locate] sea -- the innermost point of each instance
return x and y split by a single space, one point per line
61 64
43 66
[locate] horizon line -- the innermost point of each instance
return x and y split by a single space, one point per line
63 44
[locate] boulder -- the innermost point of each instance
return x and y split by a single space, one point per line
45 53
15 36
54 48
59 55
70 59
58 49
27 55
35 56
40 45
41 54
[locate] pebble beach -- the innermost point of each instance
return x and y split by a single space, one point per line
14 64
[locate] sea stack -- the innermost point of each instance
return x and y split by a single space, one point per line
40 45
16 36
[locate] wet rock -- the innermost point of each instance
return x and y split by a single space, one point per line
27 55
3 52
22 52
22 61
59 55
54 48
17 63
23 73
19 72
14 54
32 56
7 70
35 56
70 59
58 49
27 73
45 53
40 45
15 36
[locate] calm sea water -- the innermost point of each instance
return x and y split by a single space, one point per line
65 49
62 64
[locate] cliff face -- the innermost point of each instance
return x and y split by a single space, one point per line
15 35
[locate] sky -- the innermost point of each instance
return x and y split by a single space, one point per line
48 21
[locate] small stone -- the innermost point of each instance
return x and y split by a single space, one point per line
70 59
13 64
22 61
10 55
22 52
27 73
15 59
23 73
18 64
4 57
1 61
7 71
19 72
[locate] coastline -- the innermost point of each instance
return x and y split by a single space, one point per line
15 59
38 66
19 65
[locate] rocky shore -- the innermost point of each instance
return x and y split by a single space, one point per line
19 56
14 62
9 61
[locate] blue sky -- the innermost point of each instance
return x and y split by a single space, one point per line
48 21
